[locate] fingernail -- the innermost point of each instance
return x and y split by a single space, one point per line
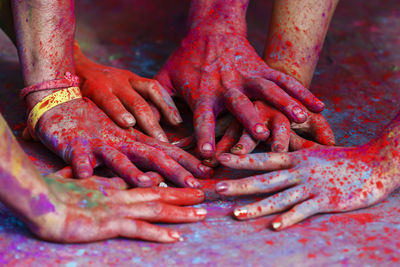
144 179
199 193
129 119
177 117
201 212
176 236
276 225
321 105
224 157
204 168
221 187
242 212
191 182
237 148
163 138
162 184
260 128
299 113
207 147
277 148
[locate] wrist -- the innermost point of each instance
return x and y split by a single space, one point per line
218 16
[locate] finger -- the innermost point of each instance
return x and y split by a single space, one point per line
81 162
163 78
245 145
187 160
173 196
143 113
297 143
276 203
135 229
185 143
258 161
123 167
102 184
155 159
243 109
65 172
296 214
280 133
263 183
155 111
230 137
204 126
274 95
155 177
321 131
156 211
111 105
153 90
295 89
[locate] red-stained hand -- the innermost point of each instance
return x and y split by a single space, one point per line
80 133
122 95
217 70
283 134
324 179
99 208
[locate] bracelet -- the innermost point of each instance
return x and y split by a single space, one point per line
51 101
68 81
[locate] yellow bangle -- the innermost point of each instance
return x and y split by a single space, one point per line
50 102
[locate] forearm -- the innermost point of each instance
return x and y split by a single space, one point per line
45 33
22 188
218 15
296 36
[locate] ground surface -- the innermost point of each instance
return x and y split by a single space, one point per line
358 77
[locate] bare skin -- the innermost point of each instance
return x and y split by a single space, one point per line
215 68
78 131
59 209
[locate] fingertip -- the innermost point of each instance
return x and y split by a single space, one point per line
205 171
236 149
144 180
202 213
224 157
126 120
222 188
299 115
260 131
240 213
191 182
277 225
175 236
206 150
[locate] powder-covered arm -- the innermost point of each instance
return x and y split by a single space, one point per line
60 209
216 69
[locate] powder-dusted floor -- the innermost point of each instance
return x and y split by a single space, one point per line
358 77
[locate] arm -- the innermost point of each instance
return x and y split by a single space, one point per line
65 210
296 36
216 69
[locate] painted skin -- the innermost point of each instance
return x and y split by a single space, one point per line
317 180
283 134
59 209
78 131
121 95
216 68
295 39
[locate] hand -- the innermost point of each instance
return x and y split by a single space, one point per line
283 134
218 70
85 137
327 179
99 208
121 95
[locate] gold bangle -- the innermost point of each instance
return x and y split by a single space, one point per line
51 101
